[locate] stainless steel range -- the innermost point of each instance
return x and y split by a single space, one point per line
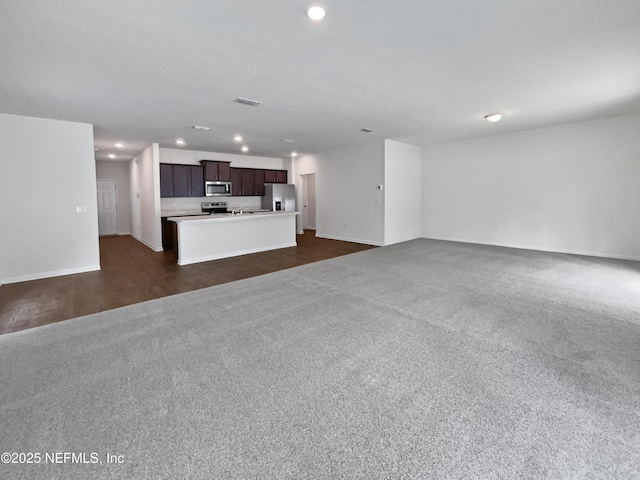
214 207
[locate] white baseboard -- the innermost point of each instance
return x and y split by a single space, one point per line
147 244
237 253
349 239
54 273
125 233
539 249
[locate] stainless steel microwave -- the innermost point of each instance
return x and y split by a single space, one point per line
217 189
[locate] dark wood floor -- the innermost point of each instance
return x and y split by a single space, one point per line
133 273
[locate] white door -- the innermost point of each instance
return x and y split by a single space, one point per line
107 207
308 195
311 201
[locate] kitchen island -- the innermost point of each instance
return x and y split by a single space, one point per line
211 237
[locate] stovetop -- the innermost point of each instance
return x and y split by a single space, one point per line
214 207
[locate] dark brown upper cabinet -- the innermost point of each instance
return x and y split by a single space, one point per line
281 176
216 171
181 180
166 180
275 176
259 181
248 181
236 182
269 176
197 181
243 182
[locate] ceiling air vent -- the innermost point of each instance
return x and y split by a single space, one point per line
246 101
367 130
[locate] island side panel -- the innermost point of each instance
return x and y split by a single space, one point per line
212 240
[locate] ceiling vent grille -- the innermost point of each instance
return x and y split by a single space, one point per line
367 130
247 101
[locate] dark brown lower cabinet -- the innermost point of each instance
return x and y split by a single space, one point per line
167 234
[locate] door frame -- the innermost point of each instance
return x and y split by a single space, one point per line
304 198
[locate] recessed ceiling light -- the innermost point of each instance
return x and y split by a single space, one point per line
294 154
316 13
245 148
493 117
237 138
111 155
119 144
179 141
286 140
247 101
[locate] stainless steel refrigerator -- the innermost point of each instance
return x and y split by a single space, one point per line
279 197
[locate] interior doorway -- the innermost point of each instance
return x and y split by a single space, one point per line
308 197
107 207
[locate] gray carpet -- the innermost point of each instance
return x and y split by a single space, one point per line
425 359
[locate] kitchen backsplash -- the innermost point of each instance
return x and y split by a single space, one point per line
188 204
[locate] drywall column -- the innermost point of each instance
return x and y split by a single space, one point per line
49 211
145 197
402 202
349 204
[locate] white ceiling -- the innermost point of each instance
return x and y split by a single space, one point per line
420 71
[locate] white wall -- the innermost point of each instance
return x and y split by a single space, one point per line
571 188
402 188
349 205
118 171
144 177
193 157
48 170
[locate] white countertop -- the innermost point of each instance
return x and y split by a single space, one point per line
225 217
198 213
181 213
